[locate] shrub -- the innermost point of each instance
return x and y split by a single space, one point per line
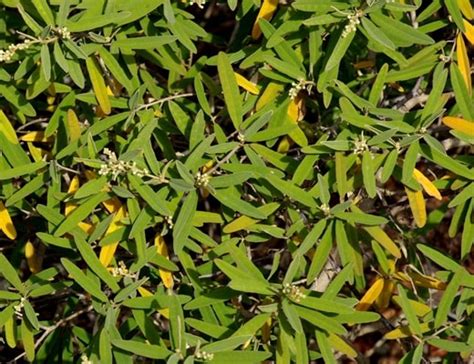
236 181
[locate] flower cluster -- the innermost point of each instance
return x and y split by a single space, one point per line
169 221
18 308
296 87
63 32
204 355
293 292
85 359
116 167
360 145
199 3
202 179
354 20
121 271
7 55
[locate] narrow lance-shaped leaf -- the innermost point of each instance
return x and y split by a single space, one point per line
448 298
183 224
459 124
162 249
463 62
371 295
6 223
417 205
409 311
368 174
266 11
98 84
427 185
87 283
230 89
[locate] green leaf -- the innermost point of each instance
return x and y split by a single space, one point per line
450 345
368 174
409 311
292 191
21 170
230 89
94 264
45 62
245 208
182 227
339 51
44 11
455 12
151 198
88 23
321 255
9 273
80 213
448 298
376 34
142 349
242 280
151 42
27 337
87 283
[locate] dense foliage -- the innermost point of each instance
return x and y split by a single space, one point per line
236 181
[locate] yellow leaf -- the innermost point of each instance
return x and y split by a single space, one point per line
427 185
417 206
420 280
73 125
98 85
107 252
271 92
420 308
466 8
266 330
371 295
404 331
463 62
246 84
6 223
109 91
86 227
34 257
469 32
162 249
73 187
459 124
6 129
383 239
341 345
266 11
146 293
284 145
241 223
114 86
383 299
294 108
36 153
36 136
111 205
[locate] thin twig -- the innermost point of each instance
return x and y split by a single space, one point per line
50 329
165 99
223 160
